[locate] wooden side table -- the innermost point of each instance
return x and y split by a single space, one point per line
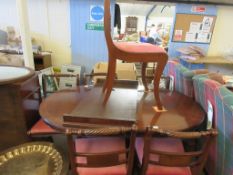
20 99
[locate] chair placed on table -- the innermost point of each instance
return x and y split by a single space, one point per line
131 52
99 150
167 156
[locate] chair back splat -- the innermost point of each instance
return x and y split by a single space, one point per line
168 155
100 149
131 52
107 26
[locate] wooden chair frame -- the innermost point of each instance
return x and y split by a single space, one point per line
194 159
115 53
81 127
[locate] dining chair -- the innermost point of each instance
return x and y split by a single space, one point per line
100 149
40 128
131 52
166 155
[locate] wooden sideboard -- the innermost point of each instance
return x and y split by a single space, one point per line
18 110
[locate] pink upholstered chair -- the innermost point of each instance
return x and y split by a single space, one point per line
131 52
100 149
167 156
40 128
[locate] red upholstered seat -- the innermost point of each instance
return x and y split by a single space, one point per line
100 145
41 128
163 144
133 47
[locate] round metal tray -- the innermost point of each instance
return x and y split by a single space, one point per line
35 158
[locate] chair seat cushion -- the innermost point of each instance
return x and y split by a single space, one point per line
139 47
100 145
41 128
162 144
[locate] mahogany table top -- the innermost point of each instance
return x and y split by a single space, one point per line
181 112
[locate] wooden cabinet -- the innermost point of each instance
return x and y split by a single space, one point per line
19 106
42 61
131 25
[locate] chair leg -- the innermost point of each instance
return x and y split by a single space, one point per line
107 78
143 73
105 84
110 79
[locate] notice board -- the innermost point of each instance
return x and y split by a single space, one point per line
193 28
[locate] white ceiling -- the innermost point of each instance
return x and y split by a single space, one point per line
142 9
135 9
210 1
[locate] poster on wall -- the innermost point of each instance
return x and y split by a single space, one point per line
178 35
203 37
207 23
190 36
194 27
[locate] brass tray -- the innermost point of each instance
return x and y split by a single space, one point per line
34 158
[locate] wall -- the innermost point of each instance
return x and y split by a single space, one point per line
8 14
221 43
49 24
223 32
186 8
88 46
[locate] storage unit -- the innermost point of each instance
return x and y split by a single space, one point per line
42 61
70 82
20 99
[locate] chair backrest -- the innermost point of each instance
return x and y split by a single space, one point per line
107 25
50 83
101 159
195 159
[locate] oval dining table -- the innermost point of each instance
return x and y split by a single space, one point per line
180 113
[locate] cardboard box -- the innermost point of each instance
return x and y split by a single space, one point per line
125 71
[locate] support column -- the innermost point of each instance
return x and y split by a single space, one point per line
22 11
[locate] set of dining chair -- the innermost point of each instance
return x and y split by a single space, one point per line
104 148
107 149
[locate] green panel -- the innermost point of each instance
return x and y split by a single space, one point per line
94 26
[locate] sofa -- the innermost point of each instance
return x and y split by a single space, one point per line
206 88
209 89
182 77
